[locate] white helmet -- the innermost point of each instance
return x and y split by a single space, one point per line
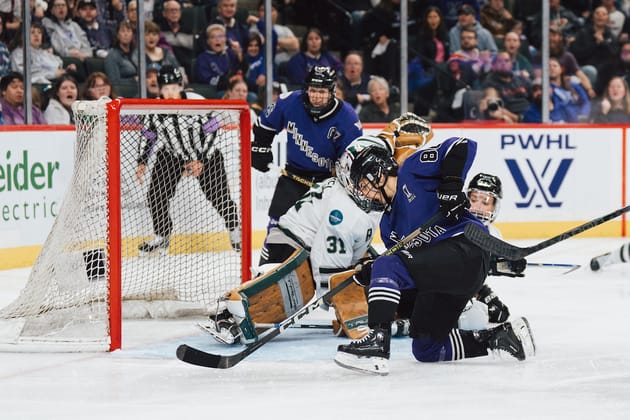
344 166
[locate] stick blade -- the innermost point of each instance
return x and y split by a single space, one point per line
194 356
480 237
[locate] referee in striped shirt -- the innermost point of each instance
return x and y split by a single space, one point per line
185 146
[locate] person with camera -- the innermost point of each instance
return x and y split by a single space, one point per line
514 90
492 108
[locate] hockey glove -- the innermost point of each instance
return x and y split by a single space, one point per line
497 311
363 272
453 201
261 156
502 267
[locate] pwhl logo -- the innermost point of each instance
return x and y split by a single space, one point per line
534 183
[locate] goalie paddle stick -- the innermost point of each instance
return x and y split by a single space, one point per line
483 239
197 357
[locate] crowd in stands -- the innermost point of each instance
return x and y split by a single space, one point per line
469 60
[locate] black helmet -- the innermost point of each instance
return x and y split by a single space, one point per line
486 182
486 186
169 75
376 165
320 77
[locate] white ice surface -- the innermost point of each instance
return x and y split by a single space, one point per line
582 370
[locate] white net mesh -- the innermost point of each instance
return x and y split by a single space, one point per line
181 226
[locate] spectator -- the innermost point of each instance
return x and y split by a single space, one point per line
533 114
181 42
119 63
614 105
313 53
466 18
5 60
491 108
155 53
433 50
619 65
11 14
521 65
45 66
96 86
515 91
616 19
65 92
480 62
570 102
111 13
594 44
567 60
288 43
379 108
38 9
559 17
153 87
12 101
496 18
99 35
449 8
235 31
66 36
218 63
237 90
433 38
255 76
132 14
381 29
354 81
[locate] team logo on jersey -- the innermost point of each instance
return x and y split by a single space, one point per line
410 196
333 134
428 156
545 182
335 217
269 109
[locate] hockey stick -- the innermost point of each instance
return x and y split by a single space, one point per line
496 246
571 267
198 357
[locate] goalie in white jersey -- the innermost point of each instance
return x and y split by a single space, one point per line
330 224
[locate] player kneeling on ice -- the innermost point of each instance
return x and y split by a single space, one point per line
444 268
331 225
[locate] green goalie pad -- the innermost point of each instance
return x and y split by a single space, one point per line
273 296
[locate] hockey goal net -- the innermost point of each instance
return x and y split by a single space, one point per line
96 267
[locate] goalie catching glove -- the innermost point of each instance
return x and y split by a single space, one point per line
501 267
407 130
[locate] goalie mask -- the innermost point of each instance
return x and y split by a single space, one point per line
318 102
344 166
485 194
370 171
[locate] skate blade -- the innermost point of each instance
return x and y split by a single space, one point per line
524 332
363 364
223 339
157 253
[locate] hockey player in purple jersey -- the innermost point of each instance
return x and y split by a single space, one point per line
441 267
319 128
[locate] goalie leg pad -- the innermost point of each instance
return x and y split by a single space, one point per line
274 296
351 307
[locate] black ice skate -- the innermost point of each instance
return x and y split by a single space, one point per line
599 261
514 337
159 244
222 327
235 239
369 354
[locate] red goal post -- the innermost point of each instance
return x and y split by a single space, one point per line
92 270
